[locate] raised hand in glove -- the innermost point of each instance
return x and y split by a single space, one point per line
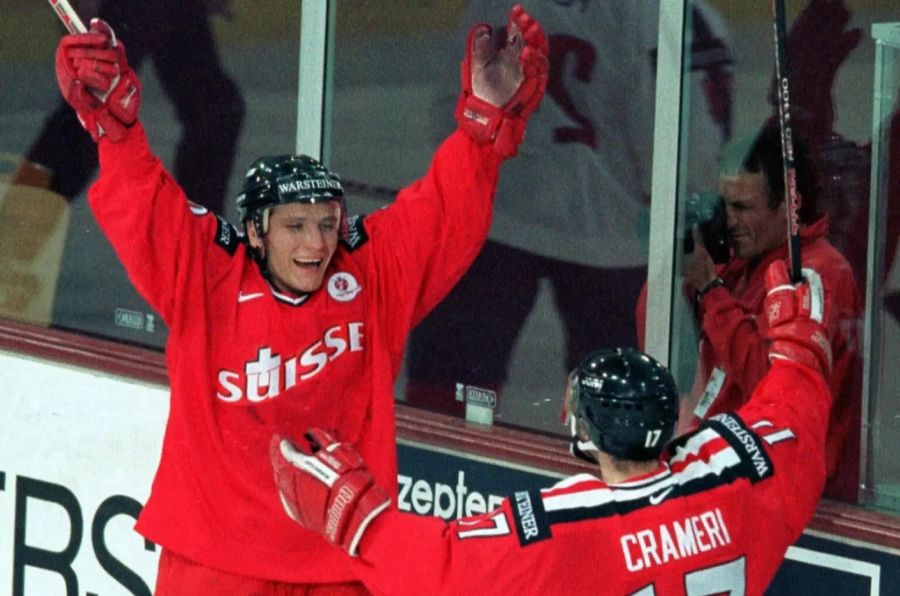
504 76
328 490
95 79
795 314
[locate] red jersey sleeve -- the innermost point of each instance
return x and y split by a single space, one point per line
424 242
154 230
505 551
789 411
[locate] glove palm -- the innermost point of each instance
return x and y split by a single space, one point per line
504 76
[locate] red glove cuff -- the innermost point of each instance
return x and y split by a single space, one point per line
804 342
353 507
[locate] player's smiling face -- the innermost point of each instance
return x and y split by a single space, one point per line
299 244
755 227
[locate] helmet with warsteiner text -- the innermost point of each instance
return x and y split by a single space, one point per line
281 179
624 402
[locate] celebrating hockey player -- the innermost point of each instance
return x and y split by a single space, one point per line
713 512
301 321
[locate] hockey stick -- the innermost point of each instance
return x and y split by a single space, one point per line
68 16
782 80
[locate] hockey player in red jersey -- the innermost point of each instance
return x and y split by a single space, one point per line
302 322
713 512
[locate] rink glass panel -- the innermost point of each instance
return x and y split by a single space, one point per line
400 108
882 470
396 83
844 166
258 50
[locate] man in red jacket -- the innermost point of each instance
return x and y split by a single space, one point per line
733 347
729 298
714 512
299 319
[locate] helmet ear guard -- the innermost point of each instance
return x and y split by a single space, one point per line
260 221
579 446
625 402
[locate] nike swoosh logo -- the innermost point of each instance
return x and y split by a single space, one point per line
660 497
245 297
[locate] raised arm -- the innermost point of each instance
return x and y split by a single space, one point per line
430 235
137 204
790 407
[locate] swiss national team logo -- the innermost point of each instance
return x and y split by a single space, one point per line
343 287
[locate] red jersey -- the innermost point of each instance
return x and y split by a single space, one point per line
734 350
716 517
246 361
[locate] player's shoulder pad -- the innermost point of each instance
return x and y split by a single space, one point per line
755 462
227 236
356 233
531 521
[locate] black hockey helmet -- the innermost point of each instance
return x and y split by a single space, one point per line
624 401
281 179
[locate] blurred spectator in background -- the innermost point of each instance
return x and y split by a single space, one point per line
573 208
177 37
832 182
733 346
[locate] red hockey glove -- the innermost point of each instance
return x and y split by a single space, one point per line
795 315
503 81
330 490
94 78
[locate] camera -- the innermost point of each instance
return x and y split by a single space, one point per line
707 209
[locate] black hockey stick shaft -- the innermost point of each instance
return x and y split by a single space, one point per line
782 80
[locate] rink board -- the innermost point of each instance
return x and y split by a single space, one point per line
78 451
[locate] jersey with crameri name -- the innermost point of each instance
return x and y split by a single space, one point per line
246 361
717 516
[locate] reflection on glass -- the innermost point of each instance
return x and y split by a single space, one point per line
209 104
566 259
831 73
882 476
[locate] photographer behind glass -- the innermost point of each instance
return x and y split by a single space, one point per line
729 296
